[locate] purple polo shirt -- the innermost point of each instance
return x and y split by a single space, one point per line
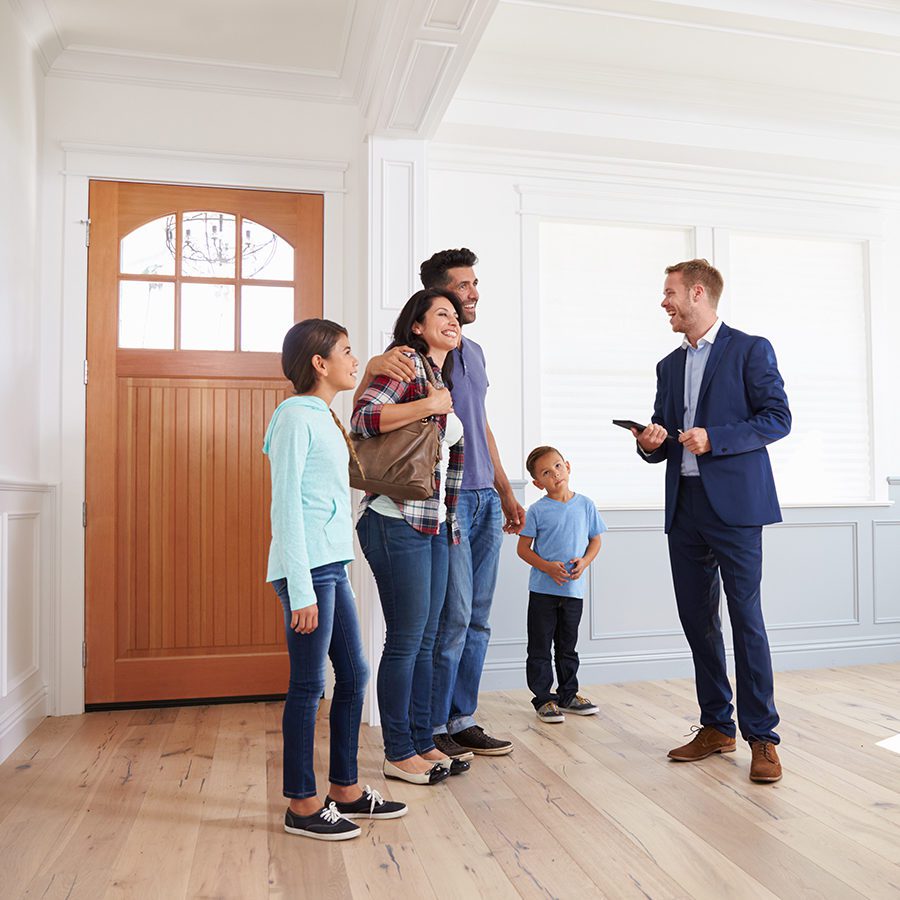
470 384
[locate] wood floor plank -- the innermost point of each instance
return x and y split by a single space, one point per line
231 858
693 863
173 803
96 832
176 803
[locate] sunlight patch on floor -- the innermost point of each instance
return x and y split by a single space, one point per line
891 743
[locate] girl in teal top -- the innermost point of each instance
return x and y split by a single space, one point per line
312 542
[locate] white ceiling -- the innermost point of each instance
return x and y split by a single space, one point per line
816 79
308 36
598 64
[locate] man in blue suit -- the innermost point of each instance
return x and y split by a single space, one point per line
719 401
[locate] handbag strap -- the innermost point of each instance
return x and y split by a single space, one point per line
429 372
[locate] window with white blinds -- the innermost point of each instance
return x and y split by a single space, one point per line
808 296
602 331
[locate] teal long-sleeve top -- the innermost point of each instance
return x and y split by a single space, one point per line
311 518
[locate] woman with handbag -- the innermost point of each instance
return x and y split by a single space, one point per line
406 541
312 542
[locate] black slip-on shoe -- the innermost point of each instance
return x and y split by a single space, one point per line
371 805
327 824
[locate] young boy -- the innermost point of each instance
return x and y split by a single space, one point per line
560 539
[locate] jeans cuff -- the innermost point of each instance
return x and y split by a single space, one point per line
440 729
305 795
454 726
342 782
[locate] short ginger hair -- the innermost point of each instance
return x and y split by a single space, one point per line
699 271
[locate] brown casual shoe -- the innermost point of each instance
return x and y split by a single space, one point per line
765 767
707 740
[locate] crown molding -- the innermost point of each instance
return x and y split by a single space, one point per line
40 29
603 88
109 64
571 171
417 62
846 20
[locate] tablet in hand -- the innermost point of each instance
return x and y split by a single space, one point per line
629 424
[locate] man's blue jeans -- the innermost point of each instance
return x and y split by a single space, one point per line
337 636
410 569
465 630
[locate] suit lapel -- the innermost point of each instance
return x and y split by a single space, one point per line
716 351
677 381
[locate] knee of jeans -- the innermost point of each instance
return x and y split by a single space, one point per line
353 682
306 688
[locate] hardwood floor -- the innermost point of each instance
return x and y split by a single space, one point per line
187 802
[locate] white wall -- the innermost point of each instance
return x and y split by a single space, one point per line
831 589
27 520
20 114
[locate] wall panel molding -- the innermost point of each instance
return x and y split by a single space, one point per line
28 607
886 572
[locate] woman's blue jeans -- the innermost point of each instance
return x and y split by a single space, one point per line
410 570
337 636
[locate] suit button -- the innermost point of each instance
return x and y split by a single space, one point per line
724 449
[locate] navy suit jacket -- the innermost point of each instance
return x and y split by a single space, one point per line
743 407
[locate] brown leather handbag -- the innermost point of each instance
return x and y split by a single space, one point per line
399 464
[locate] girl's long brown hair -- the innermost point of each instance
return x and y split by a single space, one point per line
303 341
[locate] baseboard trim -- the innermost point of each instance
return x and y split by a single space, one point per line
21 719
606 668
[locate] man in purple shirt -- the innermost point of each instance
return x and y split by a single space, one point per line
486 508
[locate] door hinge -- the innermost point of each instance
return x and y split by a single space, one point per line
84 514
87 231
85 372
83 654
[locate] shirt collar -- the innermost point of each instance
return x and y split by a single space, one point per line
708 338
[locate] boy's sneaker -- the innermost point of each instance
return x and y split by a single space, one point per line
371 805
450 748
580 706
473 738
325 825
549 712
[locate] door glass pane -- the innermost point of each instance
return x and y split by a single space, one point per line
150 249
266 314
207 317
207 248
147 315
264 254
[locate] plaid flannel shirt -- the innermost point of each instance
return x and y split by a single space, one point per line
423 515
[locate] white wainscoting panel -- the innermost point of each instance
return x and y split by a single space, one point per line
27 579
629 600
20 598
810 575
886 570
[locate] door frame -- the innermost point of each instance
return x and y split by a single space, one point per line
65 332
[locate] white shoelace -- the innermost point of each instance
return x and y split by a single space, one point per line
374 798
330 814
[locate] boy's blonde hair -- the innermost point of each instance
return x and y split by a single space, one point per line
536 454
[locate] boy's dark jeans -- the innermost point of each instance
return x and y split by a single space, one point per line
552 620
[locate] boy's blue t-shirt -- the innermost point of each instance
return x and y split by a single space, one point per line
561 531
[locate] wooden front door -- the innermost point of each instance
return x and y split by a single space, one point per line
190 292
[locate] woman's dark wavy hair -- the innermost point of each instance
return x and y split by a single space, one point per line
414 313
303 341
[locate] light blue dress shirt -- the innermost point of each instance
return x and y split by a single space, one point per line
694 367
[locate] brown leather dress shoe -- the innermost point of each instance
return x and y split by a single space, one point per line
707 740
765 766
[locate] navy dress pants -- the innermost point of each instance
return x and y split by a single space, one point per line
701 549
